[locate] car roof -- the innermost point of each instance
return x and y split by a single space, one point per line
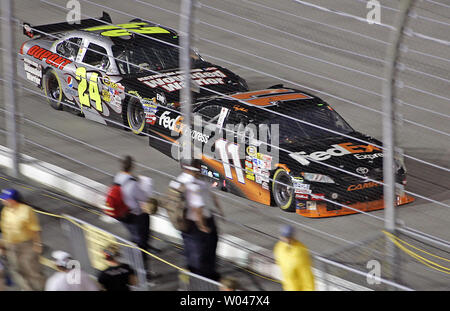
274 99
270 97
123 33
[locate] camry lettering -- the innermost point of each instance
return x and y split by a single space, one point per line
51 58
366 185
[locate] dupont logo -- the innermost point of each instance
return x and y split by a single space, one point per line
366 185
337 150
50 58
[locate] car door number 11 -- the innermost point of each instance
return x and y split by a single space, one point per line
94 94
225 148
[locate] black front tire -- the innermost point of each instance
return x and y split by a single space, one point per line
283 191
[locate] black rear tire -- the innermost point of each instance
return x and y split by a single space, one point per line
135 116
51 85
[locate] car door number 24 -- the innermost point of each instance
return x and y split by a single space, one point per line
92 87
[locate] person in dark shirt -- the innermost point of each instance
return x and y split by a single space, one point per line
118 276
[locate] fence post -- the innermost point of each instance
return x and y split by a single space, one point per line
389 134
186 18
8 87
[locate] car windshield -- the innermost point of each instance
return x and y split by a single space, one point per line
139 59
292 131
131 60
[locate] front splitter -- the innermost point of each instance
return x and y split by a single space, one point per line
321 210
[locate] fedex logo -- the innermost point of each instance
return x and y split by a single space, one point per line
336 150
169 123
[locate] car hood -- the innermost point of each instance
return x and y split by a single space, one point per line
212 79
334 155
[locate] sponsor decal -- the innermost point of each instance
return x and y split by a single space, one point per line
170 123
362 186
362 170
250 176
317 196
337 150
301 196
33 71
204 171
240 108
176 125
222 115
128 29
298 186
368 156
106 96
173 81
33 78
303 191
265 185
150 110
301 205
51 58
252 151
70 82
265 175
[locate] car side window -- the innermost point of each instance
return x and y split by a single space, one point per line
238 118
96 56
242 124
210 114
69 48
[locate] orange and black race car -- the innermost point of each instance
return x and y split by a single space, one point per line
283 147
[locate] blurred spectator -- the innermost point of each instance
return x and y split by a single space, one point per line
22 240
200 241
118 276
69 276
229 284
2 277
294 260
138 221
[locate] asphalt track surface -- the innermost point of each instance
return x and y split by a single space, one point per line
277 56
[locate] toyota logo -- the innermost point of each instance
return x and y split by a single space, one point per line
362 170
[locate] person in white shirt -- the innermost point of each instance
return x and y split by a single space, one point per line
138 221
69 276
200 242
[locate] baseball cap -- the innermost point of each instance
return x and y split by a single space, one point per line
287 231
9 194
61 258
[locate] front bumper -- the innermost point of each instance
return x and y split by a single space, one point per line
321 208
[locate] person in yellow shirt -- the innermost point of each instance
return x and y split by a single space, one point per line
294 261
22 241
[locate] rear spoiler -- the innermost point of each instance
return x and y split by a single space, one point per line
34 31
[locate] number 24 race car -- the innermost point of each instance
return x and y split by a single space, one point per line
114 74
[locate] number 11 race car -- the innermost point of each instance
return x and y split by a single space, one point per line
317 164
114 73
